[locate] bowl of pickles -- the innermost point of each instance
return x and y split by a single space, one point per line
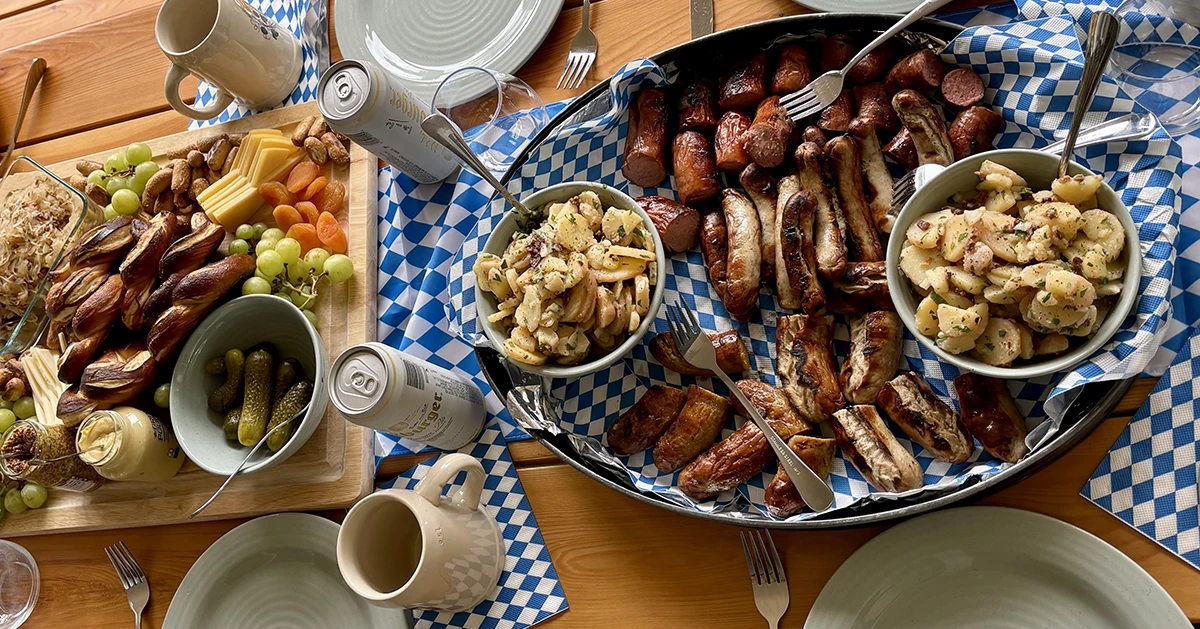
251 365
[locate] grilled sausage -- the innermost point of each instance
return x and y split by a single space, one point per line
678 225
731 155
862 289
744 266
746 85
792 70
693 431
962 88
836 52
874 355
798 268
902 150
762 188
874 65
698 106
743 454
922 71
877 179
640 426
925 418
874 451
926 126
973 131
695 171
845 162
714 244
767 139
875 106
836 117
645 162
781 497
732 356
828 225
991 416
814 134
806 365
787 298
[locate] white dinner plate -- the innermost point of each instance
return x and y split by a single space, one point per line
860 6
991 567
275 572
421 41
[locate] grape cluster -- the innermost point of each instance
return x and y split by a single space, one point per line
284 269
124 177
19 495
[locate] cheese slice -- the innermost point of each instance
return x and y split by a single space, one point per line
217 188
286 167
269 160
238 209
232 187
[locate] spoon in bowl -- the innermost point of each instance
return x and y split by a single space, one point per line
1101 38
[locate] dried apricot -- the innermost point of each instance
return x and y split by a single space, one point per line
275 193
308 211
286 216
306 235
331 198
331 233
302 175
313 188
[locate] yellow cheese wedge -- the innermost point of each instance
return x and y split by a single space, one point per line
249 147
269 159
235 184
286 167
217 188
237 210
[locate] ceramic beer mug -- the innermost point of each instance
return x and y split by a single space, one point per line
232 46
417 549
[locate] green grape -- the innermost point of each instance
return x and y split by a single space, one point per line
162 395
138 153
23 408
7 419
6 404
13 502
260 229
273 233
263 246
33 495
115 183
126 202
245 232
339 267
137 186
302 301
239 246
259 275
270 263
116 163
289 250
316 258
297 271
145 169
311 316
97 177
256 286
109 212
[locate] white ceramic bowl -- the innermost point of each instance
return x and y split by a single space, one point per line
501 236
242 323
1039 169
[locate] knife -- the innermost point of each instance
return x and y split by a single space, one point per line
702 18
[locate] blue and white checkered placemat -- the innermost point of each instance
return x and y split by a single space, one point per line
529 591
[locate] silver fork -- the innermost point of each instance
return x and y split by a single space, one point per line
132 578
582 54
766 576
823 90
698 350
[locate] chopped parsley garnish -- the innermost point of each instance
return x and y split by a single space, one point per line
1003 333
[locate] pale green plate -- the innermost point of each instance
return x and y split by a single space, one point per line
275 572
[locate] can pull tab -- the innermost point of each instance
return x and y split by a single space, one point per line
363 381
344 86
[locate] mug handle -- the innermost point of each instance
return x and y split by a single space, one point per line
175 76
443 471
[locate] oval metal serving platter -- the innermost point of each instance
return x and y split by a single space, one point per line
1094 403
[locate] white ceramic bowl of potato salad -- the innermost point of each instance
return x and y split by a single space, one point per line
576 293
998 267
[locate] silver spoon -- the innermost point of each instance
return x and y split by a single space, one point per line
1102 36
446 133
253 450
36 70
40 462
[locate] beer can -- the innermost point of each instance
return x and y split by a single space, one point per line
362 102
382 388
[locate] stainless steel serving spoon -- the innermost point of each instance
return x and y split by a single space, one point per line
36 70
1102 36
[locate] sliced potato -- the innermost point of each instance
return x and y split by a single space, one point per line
1051 344
1106 231
1026 342
1000 343
916 262
956 322
926 317
926 231
966 280
1076 189
988 167
956 238
997 231
1070 288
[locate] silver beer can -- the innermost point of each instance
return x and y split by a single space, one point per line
382 388
362 102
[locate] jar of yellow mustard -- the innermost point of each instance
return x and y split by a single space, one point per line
126 444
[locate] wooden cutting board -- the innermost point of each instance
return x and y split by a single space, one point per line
334 468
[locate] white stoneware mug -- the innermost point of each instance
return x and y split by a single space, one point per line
234 47
418 549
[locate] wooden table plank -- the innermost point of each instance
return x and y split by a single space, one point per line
62 15
13 7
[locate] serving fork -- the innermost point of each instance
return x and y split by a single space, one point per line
582 54
132 579
766 575
697 349
823 90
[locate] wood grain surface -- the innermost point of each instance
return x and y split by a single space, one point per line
618 559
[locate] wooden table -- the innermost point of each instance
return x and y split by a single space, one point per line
618 559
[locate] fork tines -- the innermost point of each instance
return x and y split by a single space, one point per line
684 326
761 558
126 566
